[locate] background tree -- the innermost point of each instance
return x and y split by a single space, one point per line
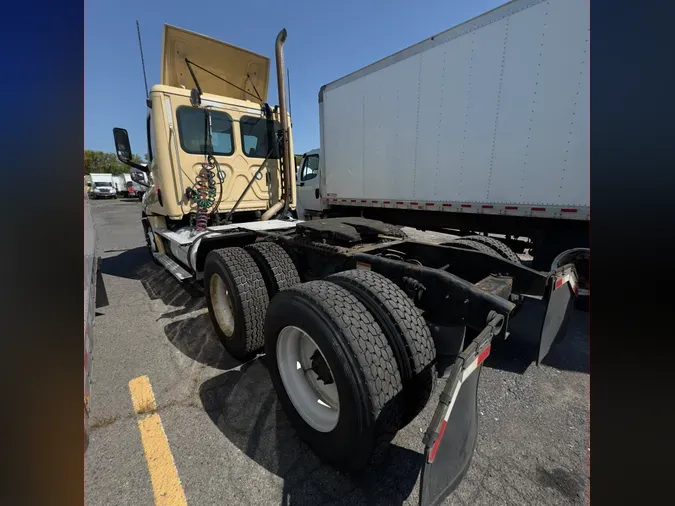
106 163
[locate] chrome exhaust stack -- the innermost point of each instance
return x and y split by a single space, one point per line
283 110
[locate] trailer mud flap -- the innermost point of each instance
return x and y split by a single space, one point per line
562 293
447 459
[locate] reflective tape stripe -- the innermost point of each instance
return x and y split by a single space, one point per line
567 278
566 212
468 370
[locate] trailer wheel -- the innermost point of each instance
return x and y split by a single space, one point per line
237 299
406 331
276 265
476 246
498 246
334 373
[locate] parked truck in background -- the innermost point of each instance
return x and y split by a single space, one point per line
356 320
120 185
481 129
101 186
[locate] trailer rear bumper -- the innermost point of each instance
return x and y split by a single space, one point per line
450 439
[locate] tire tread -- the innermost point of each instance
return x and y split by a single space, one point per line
474 245
251 293
502 249
274 260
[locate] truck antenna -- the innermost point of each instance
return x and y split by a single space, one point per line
140 46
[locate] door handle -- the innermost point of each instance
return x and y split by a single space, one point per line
301 184
316 193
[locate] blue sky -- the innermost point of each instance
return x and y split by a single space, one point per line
326 40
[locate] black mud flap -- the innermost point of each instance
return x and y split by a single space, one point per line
446 464
450 439
562 293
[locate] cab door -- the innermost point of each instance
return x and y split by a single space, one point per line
308 185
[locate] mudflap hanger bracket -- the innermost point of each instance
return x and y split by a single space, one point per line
452 455
447 459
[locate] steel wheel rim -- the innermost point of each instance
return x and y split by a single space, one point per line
316 402
222 304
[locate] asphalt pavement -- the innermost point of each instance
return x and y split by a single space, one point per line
231 443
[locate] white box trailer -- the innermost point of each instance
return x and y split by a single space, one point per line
120 184
484 127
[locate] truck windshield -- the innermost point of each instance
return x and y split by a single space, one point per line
102 185
256 136
192 127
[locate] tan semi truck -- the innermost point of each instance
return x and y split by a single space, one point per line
357 322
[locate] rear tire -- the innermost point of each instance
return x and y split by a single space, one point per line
237 299
498 246
276 266
476 246
360 362
406 331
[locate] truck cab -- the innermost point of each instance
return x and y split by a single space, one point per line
212 137
100 186
308 185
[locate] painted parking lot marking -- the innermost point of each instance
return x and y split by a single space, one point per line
166 485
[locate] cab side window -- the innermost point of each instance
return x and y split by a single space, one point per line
310 168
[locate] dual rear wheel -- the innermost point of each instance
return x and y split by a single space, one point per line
350 357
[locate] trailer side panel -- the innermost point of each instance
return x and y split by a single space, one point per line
493 111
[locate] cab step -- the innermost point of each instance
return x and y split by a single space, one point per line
172 266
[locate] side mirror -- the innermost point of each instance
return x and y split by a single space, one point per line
123 149
122 145
137 177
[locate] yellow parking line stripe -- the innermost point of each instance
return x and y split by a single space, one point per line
142 395
166 485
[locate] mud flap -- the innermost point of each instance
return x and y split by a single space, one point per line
562 293
445 465
447 459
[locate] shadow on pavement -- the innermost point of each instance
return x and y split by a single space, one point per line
244 406
158 283
195 338
519 351
128 264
